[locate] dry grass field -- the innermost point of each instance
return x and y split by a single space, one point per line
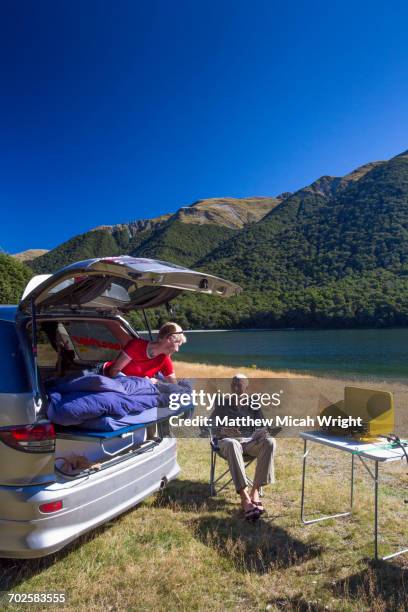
183 550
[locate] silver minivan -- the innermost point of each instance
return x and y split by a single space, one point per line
42 505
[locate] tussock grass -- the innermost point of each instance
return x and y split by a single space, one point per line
183 550
205 370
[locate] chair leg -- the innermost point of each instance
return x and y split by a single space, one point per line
213 491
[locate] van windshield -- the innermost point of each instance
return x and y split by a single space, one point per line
13 374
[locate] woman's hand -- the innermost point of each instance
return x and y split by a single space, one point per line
171 378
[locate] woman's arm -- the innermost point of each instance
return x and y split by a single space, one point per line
120 362
167 370
171 378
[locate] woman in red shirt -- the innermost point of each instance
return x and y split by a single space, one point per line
143 358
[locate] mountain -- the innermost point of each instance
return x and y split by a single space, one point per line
326 231
332 254
30 254
185 236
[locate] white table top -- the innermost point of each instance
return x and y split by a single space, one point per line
378 450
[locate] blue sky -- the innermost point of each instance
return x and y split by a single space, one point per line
114 110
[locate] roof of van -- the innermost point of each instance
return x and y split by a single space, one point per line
8 313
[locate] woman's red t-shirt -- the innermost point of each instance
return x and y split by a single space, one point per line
141 365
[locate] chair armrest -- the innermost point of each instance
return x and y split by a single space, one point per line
213 441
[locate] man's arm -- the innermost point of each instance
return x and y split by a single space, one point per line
215 429
222 431
263 431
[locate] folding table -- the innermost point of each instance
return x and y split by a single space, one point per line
377 451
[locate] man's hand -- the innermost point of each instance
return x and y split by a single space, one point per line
259 434
230 432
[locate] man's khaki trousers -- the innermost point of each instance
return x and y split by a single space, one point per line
234 449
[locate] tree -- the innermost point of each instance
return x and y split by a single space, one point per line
13 278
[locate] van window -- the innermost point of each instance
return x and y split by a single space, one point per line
93 341
13 373
46 344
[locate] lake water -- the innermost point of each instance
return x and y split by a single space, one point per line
360 353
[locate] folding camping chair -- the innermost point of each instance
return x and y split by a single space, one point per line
215 451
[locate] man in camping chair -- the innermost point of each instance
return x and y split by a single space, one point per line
235 442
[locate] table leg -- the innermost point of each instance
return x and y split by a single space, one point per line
302 502
376 479
352 483
399 552
376 512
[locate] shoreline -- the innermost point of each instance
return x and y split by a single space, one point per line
277 329
348 361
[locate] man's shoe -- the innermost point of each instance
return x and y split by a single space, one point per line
259 506
252 514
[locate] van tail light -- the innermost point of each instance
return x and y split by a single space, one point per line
38 438
51 506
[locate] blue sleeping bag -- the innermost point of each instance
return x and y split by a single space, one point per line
152 415
74 401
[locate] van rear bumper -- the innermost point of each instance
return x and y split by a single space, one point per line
87 502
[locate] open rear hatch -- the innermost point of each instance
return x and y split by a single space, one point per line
118 284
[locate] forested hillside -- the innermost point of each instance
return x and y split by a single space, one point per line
334 253
330 254
320 234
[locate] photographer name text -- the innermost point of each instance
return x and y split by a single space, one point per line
278 421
